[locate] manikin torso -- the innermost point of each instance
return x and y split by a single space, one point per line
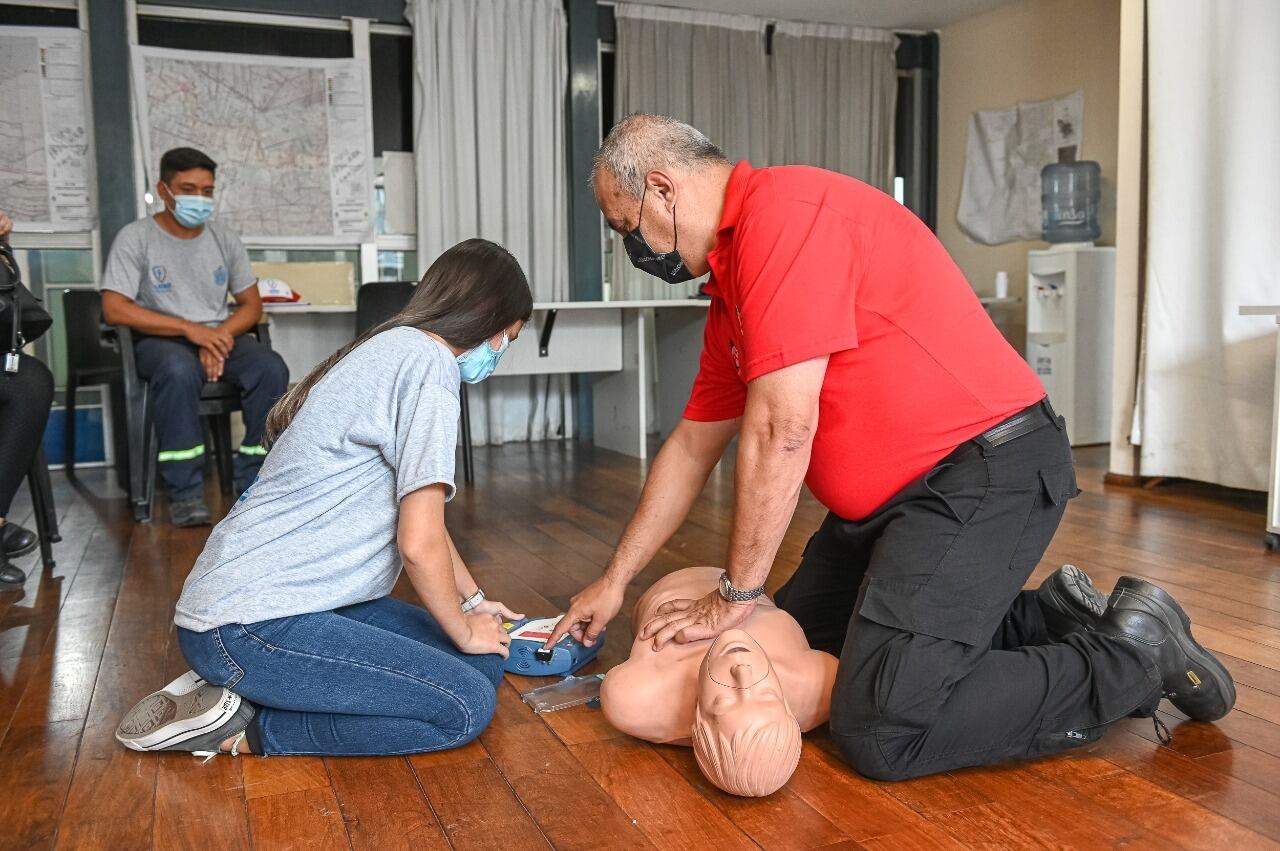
653 694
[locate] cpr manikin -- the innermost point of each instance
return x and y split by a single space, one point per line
741 700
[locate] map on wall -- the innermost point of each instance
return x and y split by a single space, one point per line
290 137
1005 151
44 137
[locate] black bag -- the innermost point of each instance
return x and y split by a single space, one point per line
22 316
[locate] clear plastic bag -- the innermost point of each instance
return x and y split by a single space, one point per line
571 691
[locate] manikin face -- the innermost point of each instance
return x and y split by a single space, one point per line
737 686
745 738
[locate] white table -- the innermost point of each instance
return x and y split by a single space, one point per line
1273 480
621 341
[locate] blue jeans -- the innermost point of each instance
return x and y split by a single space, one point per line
370 679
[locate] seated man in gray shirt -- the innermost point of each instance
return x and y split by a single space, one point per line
167 278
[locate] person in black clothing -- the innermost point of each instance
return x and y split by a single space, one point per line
25 398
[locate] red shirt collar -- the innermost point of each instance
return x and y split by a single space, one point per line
733 195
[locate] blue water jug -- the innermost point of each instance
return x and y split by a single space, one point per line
1069 196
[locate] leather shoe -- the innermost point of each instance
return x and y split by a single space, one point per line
1149 618
17 541
11 577
1069 601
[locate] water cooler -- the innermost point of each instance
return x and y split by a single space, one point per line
1070 303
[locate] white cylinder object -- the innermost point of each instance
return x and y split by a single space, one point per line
1002 284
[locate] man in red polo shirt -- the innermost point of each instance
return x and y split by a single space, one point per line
847 352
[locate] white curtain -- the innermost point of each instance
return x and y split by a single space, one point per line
489 137
1213 240
825 97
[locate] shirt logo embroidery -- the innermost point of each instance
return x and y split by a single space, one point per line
161 277
733 353
220 276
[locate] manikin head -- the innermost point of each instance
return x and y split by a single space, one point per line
745 738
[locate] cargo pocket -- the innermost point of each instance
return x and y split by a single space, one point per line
1055 486
960 488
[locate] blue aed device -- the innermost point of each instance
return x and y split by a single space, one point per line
528 658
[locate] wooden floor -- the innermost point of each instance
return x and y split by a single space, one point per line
92 636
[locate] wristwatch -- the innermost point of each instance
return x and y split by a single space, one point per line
473 601
737 595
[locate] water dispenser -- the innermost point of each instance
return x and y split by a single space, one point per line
1070 316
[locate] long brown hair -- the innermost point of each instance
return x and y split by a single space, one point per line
472 292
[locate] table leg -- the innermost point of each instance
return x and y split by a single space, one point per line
1273 486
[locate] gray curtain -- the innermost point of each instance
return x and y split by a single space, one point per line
834 93
489 97
704 68
825 97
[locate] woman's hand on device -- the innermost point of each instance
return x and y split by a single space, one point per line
498 610
485 634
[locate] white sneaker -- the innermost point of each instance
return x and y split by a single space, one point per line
186 709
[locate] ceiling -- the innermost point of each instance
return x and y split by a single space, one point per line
886 14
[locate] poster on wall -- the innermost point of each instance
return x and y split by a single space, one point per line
1006 149
45 176
290 136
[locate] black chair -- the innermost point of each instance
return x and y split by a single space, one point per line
218 399
42 506
91 360
378 301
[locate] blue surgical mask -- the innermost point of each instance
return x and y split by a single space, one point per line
479 363
192 211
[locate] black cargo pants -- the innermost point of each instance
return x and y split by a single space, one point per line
944 661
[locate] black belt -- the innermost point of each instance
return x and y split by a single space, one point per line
1037 416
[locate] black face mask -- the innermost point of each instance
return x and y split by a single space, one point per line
669 266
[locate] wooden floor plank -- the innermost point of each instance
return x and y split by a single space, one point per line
547 777
780 822
1175 819
383 805
860 808
671 813
112 792
306 820
475 806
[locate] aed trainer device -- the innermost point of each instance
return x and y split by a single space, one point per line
529 658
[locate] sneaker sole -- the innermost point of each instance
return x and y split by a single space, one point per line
1060 597
1170 612
152 723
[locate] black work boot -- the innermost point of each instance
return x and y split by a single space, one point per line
1069 601
17 541
1149 618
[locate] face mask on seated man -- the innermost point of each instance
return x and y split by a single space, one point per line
741 700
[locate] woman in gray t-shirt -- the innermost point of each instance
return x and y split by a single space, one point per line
295 644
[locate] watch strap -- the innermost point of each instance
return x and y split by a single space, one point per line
737 595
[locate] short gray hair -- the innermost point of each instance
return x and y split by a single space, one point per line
642 142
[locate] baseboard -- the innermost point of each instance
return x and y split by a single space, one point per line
1123 480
